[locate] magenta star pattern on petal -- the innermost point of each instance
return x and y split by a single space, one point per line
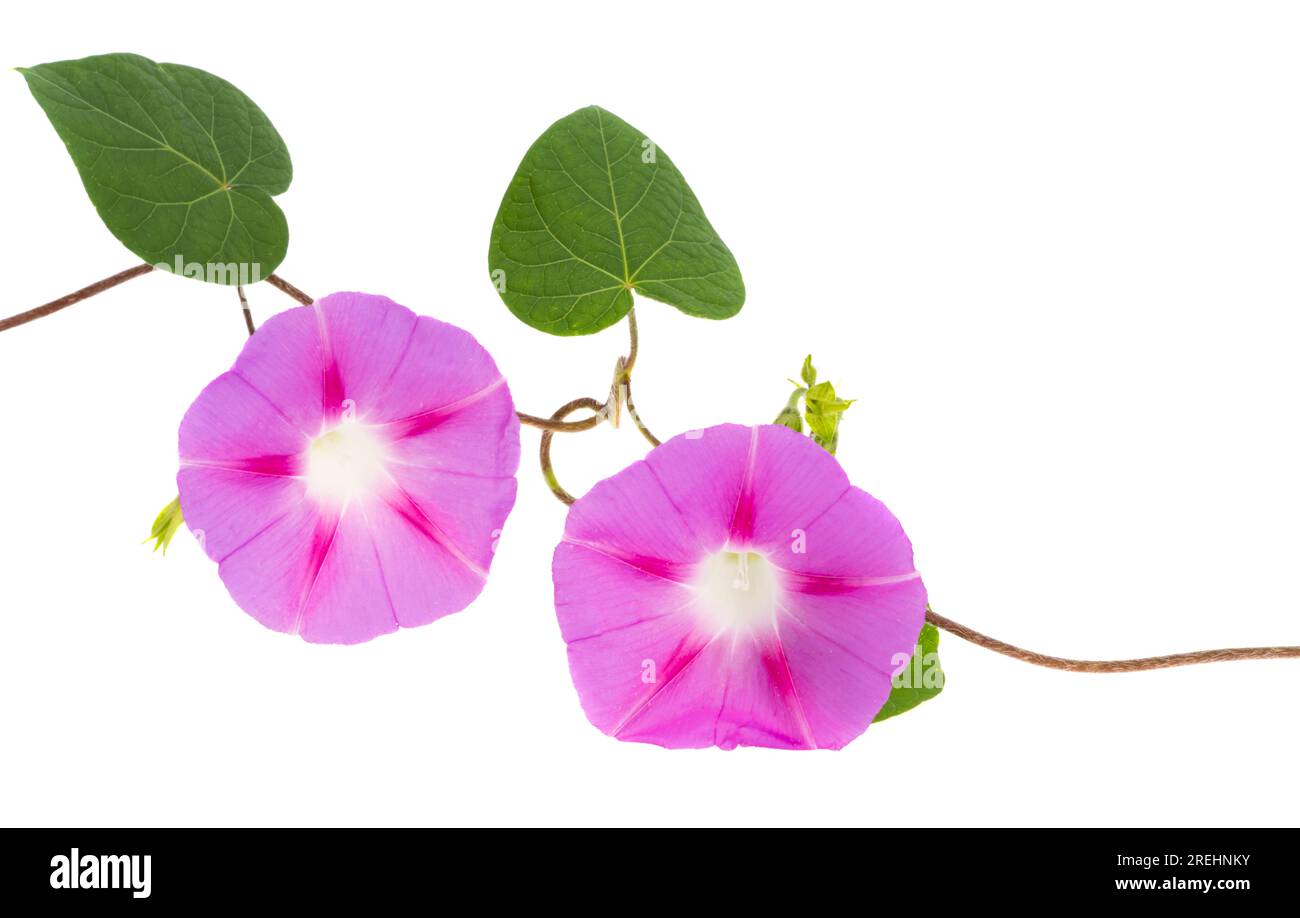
734 588
352 472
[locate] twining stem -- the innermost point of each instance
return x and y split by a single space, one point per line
631 410
623 372
544 453
620 394
64 302
551 425
1223 655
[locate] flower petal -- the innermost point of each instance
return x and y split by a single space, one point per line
789 482
352 472
701 472
234 424
855 542
369 338
726 693
283 363
393 365
270 573
842 650
661 647
623 625
466 509
347 600
451 438
235 505
446 585
631 516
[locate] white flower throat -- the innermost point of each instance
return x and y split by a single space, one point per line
738 591
346 463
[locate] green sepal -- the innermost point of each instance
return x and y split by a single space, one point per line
166 525
822 409
789 416
809 373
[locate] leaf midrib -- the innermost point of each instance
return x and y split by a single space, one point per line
613 198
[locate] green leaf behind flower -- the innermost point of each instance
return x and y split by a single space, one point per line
923 677
920 681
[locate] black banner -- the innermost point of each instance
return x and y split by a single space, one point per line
132 869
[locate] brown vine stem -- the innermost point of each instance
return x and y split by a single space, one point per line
64 302
1223 655
248 313
623 385
122 277
620 394
279 283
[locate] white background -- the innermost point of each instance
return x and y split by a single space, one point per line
1051 248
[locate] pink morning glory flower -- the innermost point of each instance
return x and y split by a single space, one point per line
352 472
734 589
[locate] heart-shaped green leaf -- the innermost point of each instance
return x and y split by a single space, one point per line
596 211
181 165
920 681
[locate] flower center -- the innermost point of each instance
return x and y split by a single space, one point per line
346 463
737 591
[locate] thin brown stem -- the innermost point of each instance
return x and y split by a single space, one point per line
248 313
64 302
279 283
544 453
1110 666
